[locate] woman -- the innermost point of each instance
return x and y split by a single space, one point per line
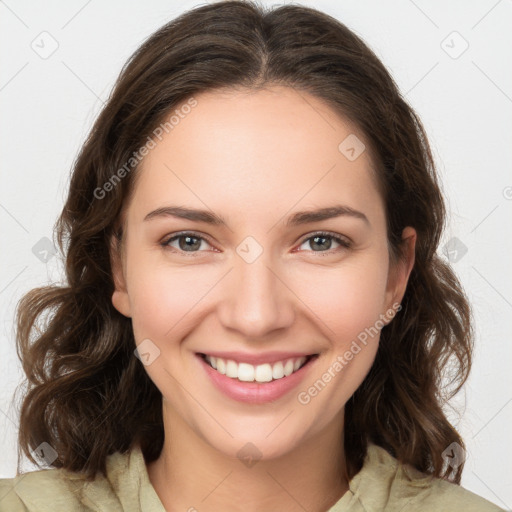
255 316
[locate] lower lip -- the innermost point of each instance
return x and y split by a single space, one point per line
256 392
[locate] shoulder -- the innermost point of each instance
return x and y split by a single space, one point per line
9 500
385 484
35 490
443 495
50 490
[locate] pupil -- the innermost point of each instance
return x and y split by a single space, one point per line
321 238
187 239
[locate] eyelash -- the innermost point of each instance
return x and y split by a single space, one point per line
344 243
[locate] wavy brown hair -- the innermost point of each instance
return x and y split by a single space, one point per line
88 396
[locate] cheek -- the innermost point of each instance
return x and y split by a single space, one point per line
350 304
344 300
164 298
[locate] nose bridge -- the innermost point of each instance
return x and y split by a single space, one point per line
257 301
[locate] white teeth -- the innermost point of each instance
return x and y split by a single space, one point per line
288 367
263 373
278 370
260 373
231 369
245 372
221 366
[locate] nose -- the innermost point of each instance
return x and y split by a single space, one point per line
257 299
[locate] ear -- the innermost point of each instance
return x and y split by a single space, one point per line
120 298
399 273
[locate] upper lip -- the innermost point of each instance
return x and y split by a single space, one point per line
255 359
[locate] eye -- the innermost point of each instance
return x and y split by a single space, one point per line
190 242
187 242
323 241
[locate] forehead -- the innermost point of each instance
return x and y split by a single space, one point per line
259 152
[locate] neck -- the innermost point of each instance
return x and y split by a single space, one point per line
192 475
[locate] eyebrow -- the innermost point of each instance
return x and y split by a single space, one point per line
296 219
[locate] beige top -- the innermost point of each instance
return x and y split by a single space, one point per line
382 485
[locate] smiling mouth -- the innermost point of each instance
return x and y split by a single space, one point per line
261 373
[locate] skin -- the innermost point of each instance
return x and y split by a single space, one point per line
255 158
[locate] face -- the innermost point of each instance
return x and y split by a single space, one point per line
259 287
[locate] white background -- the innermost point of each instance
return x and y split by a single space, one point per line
48 106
